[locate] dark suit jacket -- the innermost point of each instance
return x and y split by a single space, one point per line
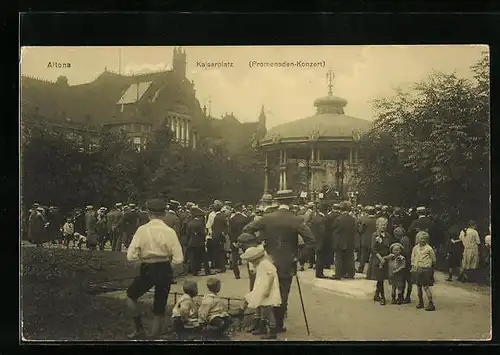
130 221
317 224
367 226
420 224
219 228
173 222
281 229
195 232
236 225
344 232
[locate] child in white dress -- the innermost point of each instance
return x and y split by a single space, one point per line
266 292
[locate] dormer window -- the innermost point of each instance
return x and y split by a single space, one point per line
134 93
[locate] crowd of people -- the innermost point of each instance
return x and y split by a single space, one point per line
275 239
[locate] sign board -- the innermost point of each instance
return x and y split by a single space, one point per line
321 195
303 194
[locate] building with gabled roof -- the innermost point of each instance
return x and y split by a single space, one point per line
136 104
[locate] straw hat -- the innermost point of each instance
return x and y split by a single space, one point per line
253 253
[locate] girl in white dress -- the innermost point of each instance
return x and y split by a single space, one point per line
266 292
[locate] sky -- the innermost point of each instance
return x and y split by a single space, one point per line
362 73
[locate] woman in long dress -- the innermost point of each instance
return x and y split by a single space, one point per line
377 270
470 259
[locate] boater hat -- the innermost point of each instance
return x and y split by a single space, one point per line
421 209
196 211
253 253
156 205
285 195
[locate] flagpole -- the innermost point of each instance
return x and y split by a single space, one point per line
120 60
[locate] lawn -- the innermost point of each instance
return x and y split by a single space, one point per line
59 295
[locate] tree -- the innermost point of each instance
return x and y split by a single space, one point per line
430 145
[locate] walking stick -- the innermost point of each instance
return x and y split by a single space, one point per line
302 303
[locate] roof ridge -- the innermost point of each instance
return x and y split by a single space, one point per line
37 78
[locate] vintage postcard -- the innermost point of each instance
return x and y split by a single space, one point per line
255 193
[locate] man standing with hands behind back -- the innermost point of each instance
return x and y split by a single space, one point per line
157 247
281 230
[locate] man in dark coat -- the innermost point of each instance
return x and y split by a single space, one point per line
91 227
130 223
79 222
330 219
184 217
323 244
54 218
114 220
172 220
37 227
236 224
395 220
422 223
219 230
281 229
344 230
196 237
366 228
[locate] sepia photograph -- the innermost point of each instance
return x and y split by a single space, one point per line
255 193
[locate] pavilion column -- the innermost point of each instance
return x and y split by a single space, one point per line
281 181
356 156
350 155
317 155
177 129
313 172
183 131
188 133
285 162
172 125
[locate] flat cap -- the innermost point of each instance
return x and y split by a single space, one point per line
156 205
245 238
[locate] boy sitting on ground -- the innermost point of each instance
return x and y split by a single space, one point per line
184 315
212 312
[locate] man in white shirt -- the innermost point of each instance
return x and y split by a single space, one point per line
156 246
211 254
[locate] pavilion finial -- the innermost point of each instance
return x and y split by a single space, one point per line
330 76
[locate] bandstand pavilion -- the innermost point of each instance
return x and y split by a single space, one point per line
317 156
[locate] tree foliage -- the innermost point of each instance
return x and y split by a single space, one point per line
430 145
56 171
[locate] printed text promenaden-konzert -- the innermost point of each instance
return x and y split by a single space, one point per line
286 64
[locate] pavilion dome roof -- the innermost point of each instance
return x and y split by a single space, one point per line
329 121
